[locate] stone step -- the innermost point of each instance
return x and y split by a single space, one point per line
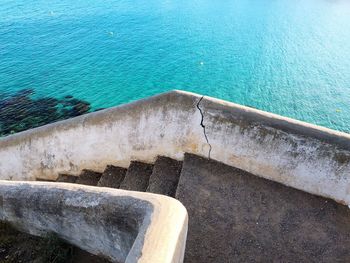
235 216
67 178
165 176
89 177
112 177
137 176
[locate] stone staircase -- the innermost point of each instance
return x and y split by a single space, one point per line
235 216
162 177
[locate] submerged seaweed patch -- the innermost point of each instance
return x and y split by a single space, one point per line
21 111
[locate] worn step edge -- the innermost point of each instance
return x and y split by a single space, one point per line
165 176
67 178
89 177
112 176
137 176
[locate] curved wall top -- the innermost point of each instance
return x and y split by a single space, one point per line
297 154
123 226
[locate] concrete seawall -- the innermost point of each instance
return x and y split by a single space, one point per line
297 154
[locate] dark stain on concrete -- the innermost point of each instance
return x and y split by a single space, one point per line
342 158
17 246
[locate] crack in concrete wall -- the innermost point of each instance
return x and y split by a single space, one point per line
203 126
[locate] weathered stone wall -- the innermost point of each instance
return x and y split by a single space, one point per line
167 124
121 225
297 154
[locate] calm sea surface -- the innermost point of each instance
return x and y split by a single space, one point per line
290 57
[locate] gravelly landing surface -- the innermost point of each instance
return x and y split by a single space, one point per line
238 217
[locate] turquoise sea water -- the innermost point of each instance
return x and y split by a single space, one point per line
290 57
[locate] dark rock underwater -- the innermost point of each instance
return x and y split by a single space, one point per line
21 111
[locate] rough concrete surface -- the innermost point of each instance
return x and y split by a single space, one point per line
238 217
137 176
165 176
112 176
88 177
123 226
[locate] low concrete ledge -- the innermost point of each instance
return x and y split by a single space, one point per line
121 225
